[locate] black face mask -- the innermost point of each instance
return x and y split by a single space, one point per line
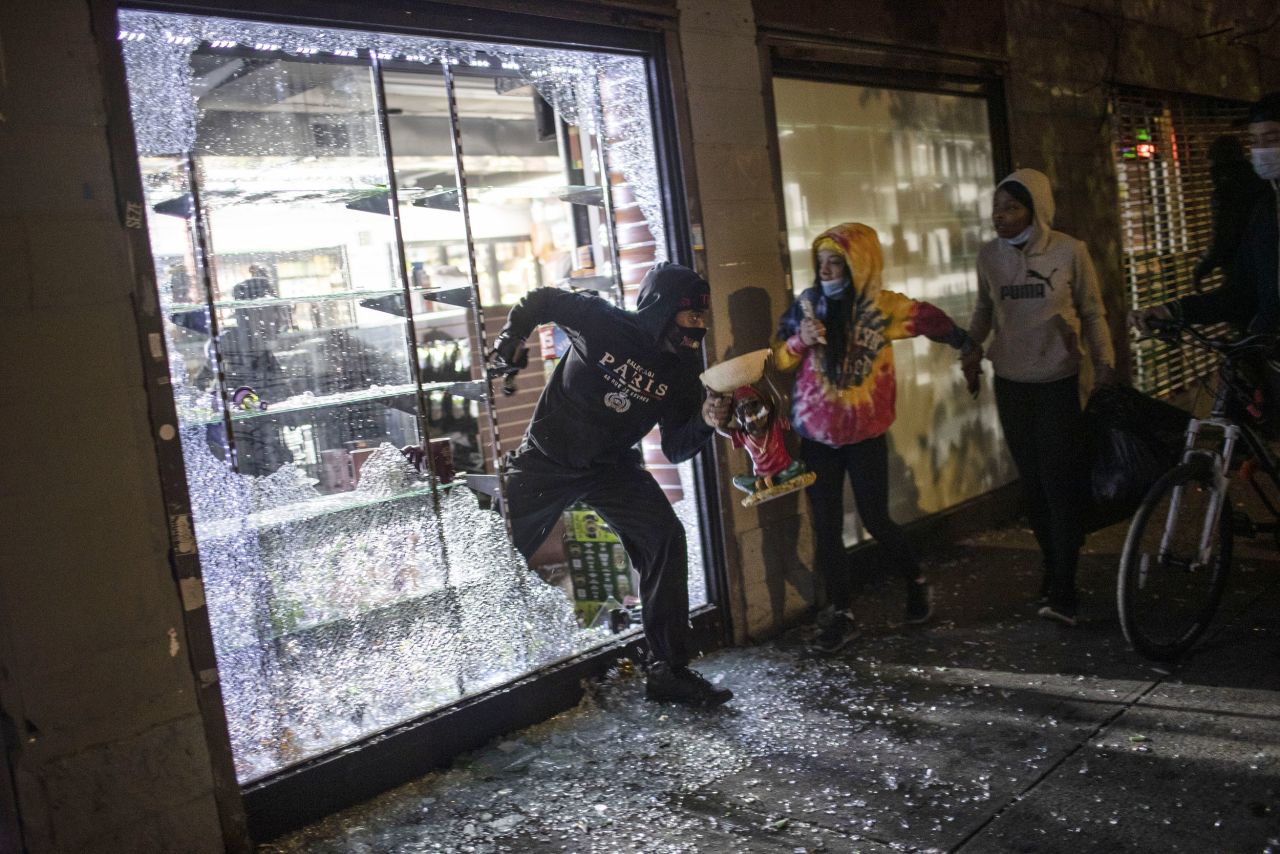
680 335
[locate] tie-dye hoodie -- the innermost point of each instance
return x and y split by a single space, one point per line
843 398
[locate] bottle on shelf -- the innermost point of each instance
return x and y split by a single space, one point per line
584 262
420 280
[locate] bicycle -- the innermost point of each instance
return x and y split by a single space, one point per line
1177 555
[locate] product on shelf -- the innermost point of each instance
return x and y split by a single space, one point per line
599 568
337 472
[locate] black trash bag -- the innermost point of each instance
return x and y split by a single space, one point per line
1133 439
1130 409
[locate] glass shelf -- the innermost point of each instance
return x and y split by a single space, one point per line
305 402
312 508
409 605
424 320
431 317
360 199
586 283
575 194
418 317
302 403
375 199
582 195
447 198
383 609
335 296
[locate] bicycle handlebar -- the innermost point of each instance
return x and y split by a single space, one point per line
1170 332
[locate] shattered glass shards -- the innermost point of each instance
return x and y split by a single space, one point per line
336 626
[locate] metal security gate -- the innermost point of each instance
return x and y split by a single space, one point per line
1161 144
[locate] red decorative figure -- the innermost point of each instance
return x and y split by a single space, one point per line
757 425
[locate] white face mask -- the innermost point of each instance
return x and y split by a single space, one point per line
1020 239
1266 162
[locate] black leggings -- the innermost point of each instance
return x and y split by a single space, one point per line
631 502
1044 428
867 464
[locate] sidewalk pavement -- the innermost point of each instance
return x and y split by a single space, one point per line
988 730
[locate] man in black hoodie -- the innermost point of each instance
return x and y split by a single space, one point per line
1235 189
1249 299
623 373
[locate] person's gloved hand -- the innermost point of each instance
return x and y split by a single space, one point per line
1139 318
505 351
716 410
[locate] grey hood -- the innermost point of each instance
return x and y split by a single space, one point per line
1037 184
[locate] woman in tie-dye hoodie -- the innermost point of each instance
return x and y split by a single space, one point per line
837 337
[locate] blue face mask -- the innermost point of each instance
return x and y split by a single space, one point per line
1020 239
835 288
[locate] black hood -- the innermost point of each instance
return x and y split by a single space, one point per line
668 289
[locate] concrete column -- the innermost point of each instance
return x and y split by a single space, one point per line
97 697
769 548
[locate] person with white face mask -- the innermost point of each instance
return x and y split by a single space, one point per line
1039 301
1235 189
1250 297
1266 145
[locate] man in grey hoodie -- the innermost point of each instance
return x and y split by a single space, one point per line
1039 301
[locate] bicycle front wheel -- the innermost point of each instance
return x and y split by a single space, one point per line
1168 587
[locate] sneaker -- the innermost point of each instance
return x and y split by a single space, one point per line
839 631
1065 616
1046 585
682 685
919 602
824 617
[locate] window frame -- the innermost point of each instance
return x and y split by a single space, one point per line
334 780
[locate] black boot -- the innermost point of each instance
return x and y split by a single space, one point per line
682 685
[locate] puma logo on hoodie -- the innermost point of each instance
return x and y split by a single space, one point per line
1029 289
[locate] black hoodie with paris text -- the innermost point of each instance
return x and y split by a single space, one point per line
617 379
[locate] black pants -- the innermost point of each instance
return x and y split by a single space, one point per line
1044 428
630 500
867 464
